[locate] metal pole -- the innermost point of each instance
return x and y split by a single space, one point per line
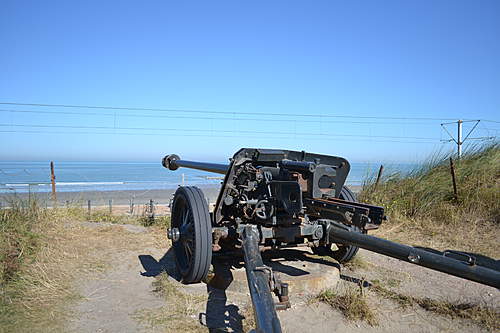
258 277
442 263
88 207
459 138
110 203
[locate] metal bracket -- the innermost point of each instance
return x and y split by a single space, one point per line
279 288
460 256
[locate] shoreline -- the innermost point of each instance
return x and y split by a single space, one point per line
101 198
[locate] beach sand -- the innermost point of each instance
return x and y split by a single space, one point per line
101 198
121 200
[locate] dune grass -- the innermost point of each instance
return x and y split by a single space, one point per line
421 205
43 251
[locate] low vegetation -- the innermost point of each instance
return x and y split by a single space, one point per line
422 207
43 251
179 312
31 283
482 315
351 302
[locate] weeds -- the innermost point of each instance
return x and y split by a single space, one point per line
160 221
357 263
248 319
351 302
482 315
179 311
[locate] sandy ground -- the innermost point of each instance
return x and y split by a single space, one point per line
121 201
101 198
112 299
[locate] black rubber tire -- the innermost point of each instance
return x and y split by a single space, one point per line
193 252
344 253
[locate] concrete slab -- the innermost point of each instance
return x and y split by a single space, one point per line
304 272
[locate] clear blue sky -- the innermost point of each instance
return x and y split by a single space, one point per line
437 59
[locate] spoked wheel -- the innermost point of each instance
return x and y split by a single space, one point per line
191 234
342 253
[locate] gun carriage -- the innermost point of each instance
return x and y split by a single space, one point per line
272 199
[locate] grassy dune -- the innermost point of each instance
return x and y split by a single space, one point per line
422 207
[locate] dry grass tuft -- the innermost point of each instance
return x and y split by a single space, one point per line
482 315
351 302
180 311
248 319
358 263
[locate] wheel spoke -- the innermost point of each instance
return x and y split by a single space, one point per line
185 218
188 250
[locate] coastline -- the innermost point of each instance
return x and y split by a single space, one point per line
101 198
126 197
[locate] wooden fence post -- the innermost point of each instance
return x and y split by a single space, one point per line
53 181
379 176
453 179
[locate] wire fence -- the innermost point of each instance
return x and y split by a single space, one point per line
109 187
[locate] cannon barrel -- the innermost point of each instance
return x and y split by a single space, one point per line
173 162
300 166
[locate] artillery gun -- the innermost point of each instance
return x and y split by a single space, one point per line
274 199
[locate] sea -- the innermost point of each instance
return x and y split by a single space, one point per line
25 177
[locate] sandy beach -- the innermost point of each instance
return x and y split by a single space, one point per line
101 198
119 198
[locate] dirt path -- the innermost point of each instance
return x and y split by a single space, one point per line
122 297
110 299
404 279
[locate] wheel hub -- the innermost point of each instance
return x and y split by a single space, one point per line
173 234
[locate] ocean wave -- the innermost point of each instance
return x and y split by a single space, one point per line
65 184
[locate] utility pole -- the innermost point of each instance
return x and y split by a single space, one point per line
459 141
459 138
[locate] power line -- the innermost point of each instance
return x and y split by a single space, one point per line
210 136
218 130
221 112
212 118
